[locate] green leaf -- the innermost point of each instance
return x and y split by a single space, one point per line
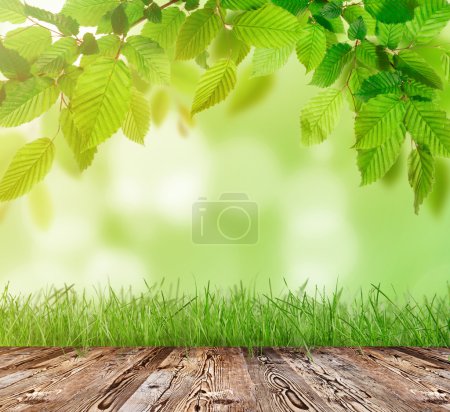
268 61
88 12
149 59
215 85
268 27
108 46
332 9
134 12
375 163
154 14
27 100
415 66
372 55
12 11
65 24
119 20
29 166
29 42
74 139
137 121
417 90
446 65
429 126
13 65
331 67
421 173
60 54
68 81
101 100
391 12
429 20
242 4
390 35
89 45
354 12
293 6
357 30
166 32
196 34
319 117
312 45
190 5
357 78
380 119
380 83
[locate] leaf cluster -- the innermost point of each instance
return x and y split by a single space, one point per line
369 53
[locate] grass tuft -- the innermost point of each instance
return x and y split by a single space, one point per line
238 317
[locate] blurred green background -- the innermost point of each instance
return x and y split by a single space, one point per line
128 218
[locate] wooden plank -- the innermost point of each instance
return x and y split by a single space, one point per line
336 388
439 356
45 379
108 385
381 379
198 379
279 387
27 357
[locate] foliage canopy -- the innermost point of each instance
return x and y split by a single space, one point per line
93 57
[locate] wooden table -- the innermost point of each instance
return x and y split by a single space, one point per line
224 379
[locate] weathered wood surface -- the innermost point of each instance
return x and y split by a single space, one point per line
225 379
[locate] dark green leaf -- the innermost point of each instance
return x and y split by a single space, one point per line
380 83
372 55
357 30
293 6
332 9
332 65
89 45
119 20
391 12
153 13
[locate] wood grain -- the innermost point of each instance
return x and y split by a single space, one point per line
225 379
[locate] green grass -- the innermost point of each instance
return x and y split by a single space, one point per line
238 317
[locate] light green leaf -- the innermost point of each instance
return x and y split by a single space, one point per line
380 83
101 100
319 117
354 12
65 24
149 59
27 100
446 65
372 55
137 121
391 12
357 30
166 32
13 65
215 85
415 66
429 20
429 126
88 12
268 27
29 166
311 46
417 90
242 4
375 163
29 42
68 81
332 65
379 120
357 78
12 11
197 32
268 61
293 6
74 139
108 46
60 54
421 172
390 35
